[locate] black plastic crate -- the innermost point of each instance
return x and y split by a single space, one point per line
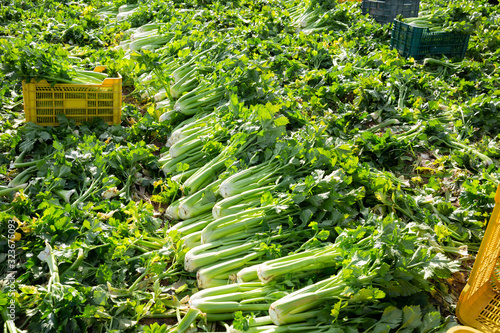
420 42
385 11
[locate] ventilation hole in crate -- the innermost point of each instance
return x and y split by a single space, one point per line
92 111
91 104
91 95
74 95
105 96
58 111
75 111
105 111
44 104
59 104
45 120
490 316
105 103
45 112
43 95
59 95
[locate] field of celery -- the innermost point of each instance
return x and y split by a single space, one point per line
278 168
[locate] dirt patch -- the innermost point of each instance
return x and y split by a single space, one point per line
448 291
160 321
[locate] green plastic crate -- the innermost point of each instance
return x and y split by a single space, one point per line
385 11
420 42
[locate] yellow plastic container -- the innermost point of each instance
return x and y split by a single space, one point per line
80 102
462 329
479 302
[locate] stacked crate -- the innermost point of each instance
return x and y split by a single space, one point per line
385 11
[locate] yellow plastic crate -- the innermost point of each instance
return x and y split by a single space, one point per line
462 329
479 302
80 102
